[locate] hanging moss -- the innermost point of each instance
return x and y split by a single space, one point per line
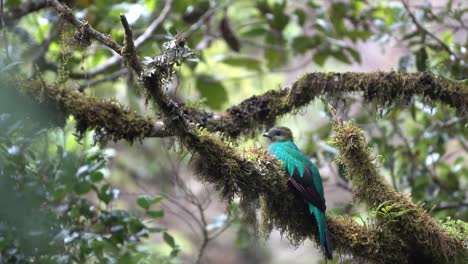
426 238
109 119
254 175
384 89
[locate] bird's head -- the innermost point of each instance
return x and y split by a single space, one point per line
279 134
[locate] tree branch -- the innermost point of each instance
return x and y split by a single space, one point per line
142 39
426 238
109 119
260 112
65 13
253 174
23 9
129 49
383 88
427 32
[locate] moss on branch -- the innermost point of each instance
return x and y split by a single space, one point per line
254 175
109 119
382 88
428 241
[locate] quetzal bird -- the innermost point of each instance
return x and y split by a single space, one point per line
304 178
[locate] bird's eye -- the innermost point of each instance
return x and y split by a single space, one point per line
277 133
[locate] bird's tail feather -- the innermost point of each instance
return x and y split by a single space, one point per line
325 241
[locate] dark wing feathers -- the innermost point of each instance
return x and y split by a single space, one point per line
305 187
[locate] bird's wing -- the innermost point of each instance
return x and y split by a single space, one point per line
306 188
302 178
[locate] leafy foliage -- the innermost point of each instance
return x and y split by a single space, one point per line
57 205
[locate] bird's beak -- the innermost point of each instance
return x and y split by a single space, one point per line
267 135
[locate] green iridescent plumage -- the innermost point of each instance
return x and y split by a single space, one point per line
305 179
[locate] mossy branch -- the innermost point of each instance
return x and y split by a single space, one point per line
259 112
426 238
66 14
254 175
109 119
382 88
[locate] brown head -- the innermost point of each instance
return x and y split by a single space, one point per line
279 134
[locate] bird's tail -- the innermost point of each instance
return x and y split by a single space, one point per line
325 241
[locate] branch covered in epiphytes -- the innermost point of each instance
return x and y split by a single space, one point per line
115 60
253 175
426 238
66 14
382 88
109 119
259 112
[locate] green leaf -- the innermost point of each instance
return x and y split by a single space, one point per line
82 187
302 44
213 90
105 193
144 202
421 59
337 14
156 229
254 32
175 252
320 57
136 226
97 176
249 63
354 35
276 57
341 56
156 200
447 37
169 240
280 19
355 54
155 214
301 16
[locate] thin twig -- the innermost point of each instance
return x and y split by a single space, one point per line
206 238
129 50
143 38
155 24
450 206
23 9
197 25
65 13
111 77
425 31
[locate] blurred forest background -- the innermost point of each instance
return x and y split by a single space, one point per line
73 196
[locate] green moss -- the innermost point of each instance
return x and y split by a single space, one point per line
426 238
367 244
109 119
383 89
